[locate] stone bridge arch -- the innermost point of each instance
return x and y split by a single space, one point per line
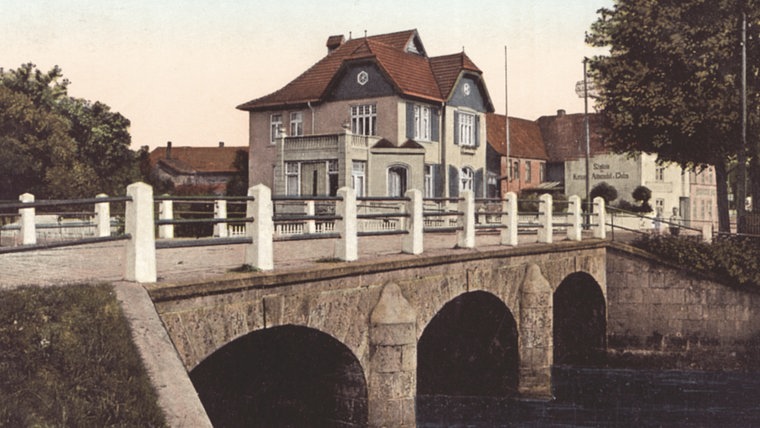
580 320
283 376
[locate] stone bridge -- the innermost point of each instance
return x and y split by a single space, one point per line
353 344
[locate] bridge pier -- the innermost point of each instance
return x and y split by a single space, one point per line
535 338
393 361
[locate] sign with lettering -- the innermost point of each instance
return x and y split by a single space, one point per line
602 171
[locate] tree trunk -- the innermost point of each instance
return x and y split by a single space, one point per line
721 182
754 181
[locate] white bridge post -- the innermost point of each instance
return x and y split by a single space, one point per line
600 225
466 236
140 260
347 246
414 239
28 230
509 220
311 225
166 212
260 253
545 228
103 216
574 211
220 211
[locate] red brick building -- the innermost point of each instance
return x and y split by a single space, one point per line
195 166
527 155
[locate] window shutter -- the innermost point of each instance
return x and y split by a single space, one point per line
456 127
434 124
453 181
410 121
476 131
438 175
478 183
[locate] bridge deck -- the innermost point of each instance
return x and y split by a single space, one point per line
105 261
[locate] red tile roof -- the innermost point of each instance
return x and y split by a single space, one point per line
414 75
194 160
525 137
564 136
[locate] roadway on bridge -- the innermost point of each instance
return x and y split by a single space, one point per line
105 262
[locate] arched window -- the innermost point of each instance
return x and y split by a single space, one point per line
465 180
397 181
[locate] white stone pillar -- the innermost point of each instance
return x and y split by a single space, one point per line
260 253
707 233
466 236
166 212
414 239
103 216
28 230
545 229
311 225
509 220
220 211
347 246
140 260
535 341
574 217
600 225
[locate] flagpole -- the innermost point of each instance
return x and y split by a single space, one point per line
506 121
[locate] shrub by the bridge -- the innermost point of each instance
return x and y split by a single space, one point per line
67 359
735 260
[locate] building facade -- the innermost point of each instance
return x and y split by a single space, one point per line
523 165
377 114
211 167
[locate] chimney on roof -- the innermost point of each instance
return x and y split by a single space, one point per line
221 144
168 150
560 112
334 42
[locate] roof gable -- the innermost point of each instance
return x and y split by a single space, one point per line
400 56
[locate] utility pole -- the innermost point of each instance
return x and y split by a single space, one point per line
588 140
506 120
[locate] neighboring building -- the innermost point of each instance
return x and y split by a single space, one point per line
527 155
376 113
703 195
195 166
565 145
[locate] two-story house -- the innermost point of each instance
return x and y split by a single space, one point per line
378 114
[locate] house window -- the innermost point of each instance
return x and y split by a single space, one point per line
528 172
292 178
275 125
466 129
364 119
659 173
358 177
541 172
296 124
465 180
659 206
493 185
332 177
396 181
428 181
516 171
421 123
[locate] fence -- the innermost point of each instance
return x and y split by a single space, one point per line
150 222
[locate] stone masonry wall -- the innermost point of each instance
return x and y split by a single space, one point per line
653 306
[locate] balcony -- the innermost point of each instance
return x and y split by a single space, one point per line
328 143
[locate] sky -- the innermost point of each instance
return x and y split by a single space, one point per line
178 68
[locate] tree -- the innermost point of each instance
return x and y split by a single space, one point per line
608 192
238 184
57 146
670 84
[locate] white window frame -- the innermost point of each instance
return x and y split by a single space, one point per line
364 119
359 177
466 129
466 178
296 124
659 173
275 125
293 171
528 172
422 123
429 183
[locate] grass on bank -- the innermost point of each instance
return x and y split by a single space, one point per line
67 359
